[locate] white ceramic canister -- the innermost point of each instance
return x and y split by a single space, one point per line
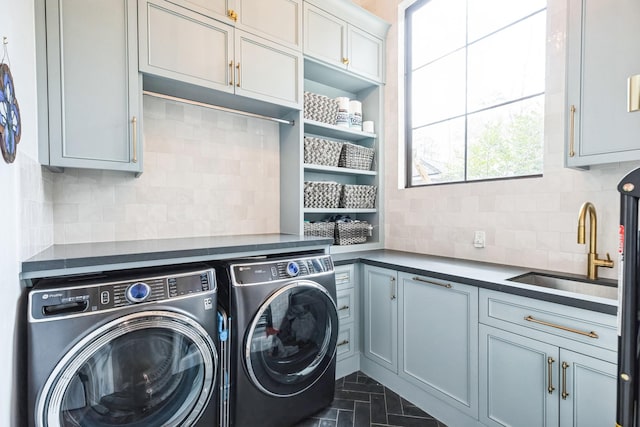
355 115
343 111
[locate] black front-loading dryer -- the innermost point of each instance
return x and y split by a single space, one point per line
283 340
132 350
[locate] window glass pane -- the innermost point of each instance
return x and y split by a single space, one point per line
506 141
438 90
507 65
438 153
488 16
438 28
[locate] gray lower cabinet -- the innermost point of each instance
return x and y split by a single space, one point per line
544 364
89 85
347 352
438 332
381 316
182 45
599 129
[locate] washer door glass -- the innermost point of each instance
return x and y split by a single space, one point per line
147 369
292 339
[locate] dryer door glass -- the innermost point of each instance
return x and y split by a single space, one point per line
292 339
148 370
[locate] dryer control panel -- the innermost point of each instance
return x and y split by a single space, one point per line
255 273
54 302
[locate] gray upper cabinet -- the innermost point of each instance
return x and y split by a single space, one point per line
381 317
187 47
277 20
342 44
92 88
219 9
601 46
439 339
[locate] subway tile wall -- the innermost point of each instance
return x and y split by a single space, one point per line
528 222
206 172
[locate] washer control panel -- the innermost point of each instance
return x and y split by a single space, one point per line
249 274
93 297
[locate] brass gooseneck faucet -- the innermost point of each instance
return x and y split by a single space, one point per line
593 262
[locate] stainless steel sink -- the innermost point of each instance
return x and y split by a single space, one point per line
603 288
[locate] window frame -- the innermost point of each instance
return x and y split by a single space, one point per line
406 9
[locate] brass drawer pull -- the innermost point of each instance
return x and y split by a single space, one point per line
344 307
393 288
564 328
238 80
565 365
134 140
230 73
572 117
444 285
550 370
344 342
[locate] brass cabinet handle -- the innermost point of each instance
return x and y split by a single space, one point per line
393 288
232 15
550 371
231 73
444 285
134 139
344 342
565 365
345 61
238 79
572 117
564 328
343 278
344 307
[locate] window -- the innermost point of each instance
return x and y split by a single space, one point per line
475 75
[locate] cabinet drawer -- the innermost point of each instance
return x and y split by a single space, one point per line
514 312
344 276
345 345
345 299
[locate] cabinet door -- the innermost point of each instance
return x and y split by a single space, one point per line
381 317
93 84
267 71
325 36
183 45
277 20
600 39
439 339
591 387
514 380
365 54
214 8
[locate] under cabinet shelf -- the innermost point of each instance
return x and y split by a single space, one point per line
338 210
338 170
333 131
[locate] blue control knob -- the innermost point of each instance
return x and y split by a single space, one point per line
138 292
292 269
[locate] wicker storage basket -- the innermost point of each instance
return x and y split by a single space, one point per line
350 233
322 194
355 157
319 151
320 229
320 108
358 196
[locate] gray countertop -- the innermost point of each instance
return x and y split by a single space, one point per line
105 256
480 274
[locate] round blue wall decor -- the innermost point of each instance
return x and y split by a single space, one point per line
10 124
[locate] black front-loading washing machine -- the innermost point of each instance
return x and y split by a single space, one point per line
283 340
126 349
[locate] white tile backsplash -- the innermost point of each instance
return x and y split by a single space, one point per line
528 222
205 173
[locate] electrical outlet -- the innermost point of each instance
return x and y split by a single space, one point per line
478 239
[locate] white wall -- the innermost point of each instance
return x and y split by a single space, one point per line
25 209
528 222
